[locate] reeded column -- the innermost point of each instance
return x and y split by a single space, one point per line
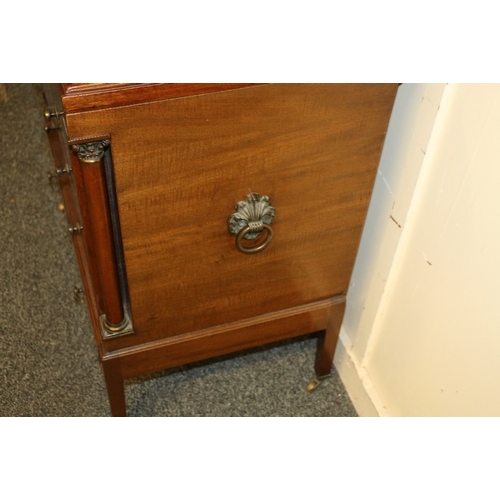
90 156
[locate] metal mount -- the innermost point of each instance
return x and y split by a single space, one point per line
52 113
76 229
59 172
252 216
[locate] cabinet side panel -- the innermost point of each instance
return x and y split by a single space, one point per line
182 165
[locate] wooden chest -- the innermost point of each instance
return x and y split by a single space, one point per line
208 219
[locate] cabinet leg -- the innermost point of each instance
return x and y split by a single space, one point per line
115 387
327 343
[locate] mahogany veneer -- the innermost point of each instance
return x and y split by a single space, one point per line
156 171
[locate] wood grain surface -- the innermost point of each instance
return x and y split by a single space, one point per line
182 164
78 97
231 337
74 204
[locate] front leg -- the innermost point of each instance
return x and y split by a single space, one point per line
115 387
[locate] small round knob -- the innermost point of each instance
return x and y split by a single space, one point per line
78 293
48 114
62 171
75 230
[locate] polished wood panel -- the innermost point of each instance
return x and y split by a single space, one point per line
79 97
226 338
180 167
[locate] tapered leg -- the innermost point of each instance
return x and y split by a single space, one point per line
327 343
115 387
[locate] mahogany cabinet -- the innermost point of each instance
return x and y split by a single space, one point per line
211 218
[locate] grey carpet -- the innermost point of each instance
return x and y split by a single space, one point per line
48 360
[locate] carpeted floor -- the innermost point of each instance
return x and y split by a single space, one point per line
48 360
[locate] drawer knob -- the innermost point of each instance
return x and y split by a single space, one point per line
253 216
59 172
78 294
75 229
52 113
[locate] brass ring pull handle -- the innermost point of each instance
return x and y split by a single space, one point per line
252 216
258 248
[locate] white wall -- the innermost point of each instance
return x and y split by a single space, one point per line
421 334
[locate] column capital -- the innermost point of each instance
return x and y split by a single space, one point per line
91 152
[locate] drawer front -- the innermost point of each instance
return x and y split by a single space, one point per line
180 167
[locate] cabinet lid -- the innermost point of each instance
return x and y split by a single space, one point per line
78 97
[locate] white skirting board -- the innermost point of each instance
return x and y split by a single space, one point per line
356 380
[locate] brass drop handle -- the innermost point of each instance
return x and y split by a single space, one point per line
257 248
252 216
